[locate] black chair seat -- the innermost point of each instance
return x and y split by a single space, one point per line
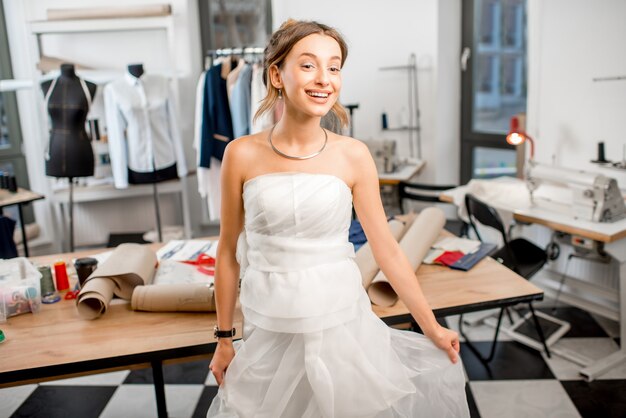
528 258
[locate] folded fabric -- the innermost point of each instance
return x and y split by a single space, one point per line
449 257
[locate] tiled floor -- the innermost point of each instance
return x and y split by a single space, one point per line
519 382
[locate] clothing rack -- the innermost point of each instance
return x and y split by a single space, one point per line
213 54
224 52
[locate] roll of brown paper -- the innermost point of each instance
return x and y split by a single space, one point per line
184 297
129 265
94 297
415 243
364 258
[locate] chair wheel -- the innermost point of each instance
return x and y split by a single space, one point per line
553 250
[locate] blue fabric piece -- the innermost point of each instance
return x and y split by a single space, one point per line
240 102
217 125
356 235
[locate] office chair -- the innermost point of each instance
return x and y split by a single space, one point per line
429 193
524 258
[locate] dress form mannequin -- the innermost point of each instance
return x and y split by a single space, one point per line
68 99
70 153
136 70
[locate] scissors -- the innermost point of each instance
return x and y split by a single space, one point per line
205 263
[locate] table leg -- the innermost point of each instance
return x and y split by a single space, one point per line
618 251
23 227
159 388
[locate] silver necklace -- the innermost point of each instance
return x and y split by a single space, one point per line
297 157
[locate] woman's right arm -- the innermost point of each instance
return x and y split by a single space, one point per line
227 267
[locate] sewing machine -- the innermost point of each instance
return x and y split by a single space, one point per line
587 196
384 153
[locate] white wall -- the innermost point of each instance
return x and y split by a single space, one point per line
385 34
104 51
570 43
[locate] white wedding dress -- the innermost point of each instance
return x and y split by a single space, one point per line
312 347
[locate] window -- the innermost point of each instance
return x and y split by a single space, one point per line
493 84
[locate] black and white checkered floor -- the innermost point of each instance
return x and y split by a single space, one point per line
519 383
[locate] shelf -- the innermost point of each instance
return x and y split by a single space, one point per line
402 128
83 194
14 85
399 67
100 25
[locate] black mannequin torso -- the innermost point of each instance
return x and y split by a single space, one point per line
70 152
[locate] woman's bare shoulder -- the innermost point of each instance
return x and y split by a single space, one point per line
247 147
353 149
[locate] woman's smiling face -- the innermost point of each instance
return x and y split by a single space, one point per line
310 76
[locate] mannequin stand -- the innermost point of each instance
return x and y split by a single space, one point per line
71 213
157 211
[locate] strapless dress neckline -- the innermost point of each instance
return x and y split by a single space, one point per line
296 173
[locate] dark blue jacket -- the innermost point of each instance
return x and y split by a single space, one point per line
217 126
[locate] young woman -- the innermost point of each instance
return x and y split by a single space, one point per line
312 347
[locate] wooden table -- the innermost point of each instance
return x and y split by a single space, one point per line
58 343
19 198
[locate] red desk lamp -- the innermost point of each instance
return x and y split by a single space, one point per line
517 136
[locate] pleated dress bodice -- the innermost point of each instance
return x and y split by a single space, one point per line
298 272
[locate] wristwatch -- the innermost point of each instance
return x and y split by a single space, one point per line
217 333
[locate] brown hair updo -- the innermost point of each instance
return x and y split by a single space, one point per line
278 47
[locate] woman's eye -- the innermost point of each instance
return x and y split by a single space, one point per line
307 66
335 69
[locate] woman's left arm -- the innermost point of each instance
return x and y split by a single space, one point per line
388 254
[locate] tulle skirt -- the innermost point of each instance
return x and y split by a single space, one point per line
359 368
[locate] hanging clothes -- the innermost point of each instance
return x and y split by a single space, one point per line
217 126
232 78
143 134
257 94
240 102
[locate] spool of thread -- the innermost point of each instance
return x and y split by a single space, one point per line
12 184
47 285
60 271
84 267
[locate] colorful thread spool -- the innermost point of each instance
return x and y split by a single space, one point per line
60 271
47 284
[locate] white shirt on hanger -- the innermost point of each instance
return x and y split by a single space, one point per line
142 127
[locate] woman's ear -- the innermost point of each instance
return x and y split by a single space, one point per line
275 78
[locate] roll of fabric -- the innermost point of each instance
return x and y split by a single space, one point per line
129 265
146 10
183 297
415 243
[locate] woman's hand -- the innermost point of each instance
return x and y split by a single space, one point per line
447 340
221 359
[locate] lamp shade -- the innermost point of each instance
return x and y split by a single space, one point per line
517 136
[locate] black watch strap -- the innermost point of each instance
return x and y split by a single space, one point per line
217 333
